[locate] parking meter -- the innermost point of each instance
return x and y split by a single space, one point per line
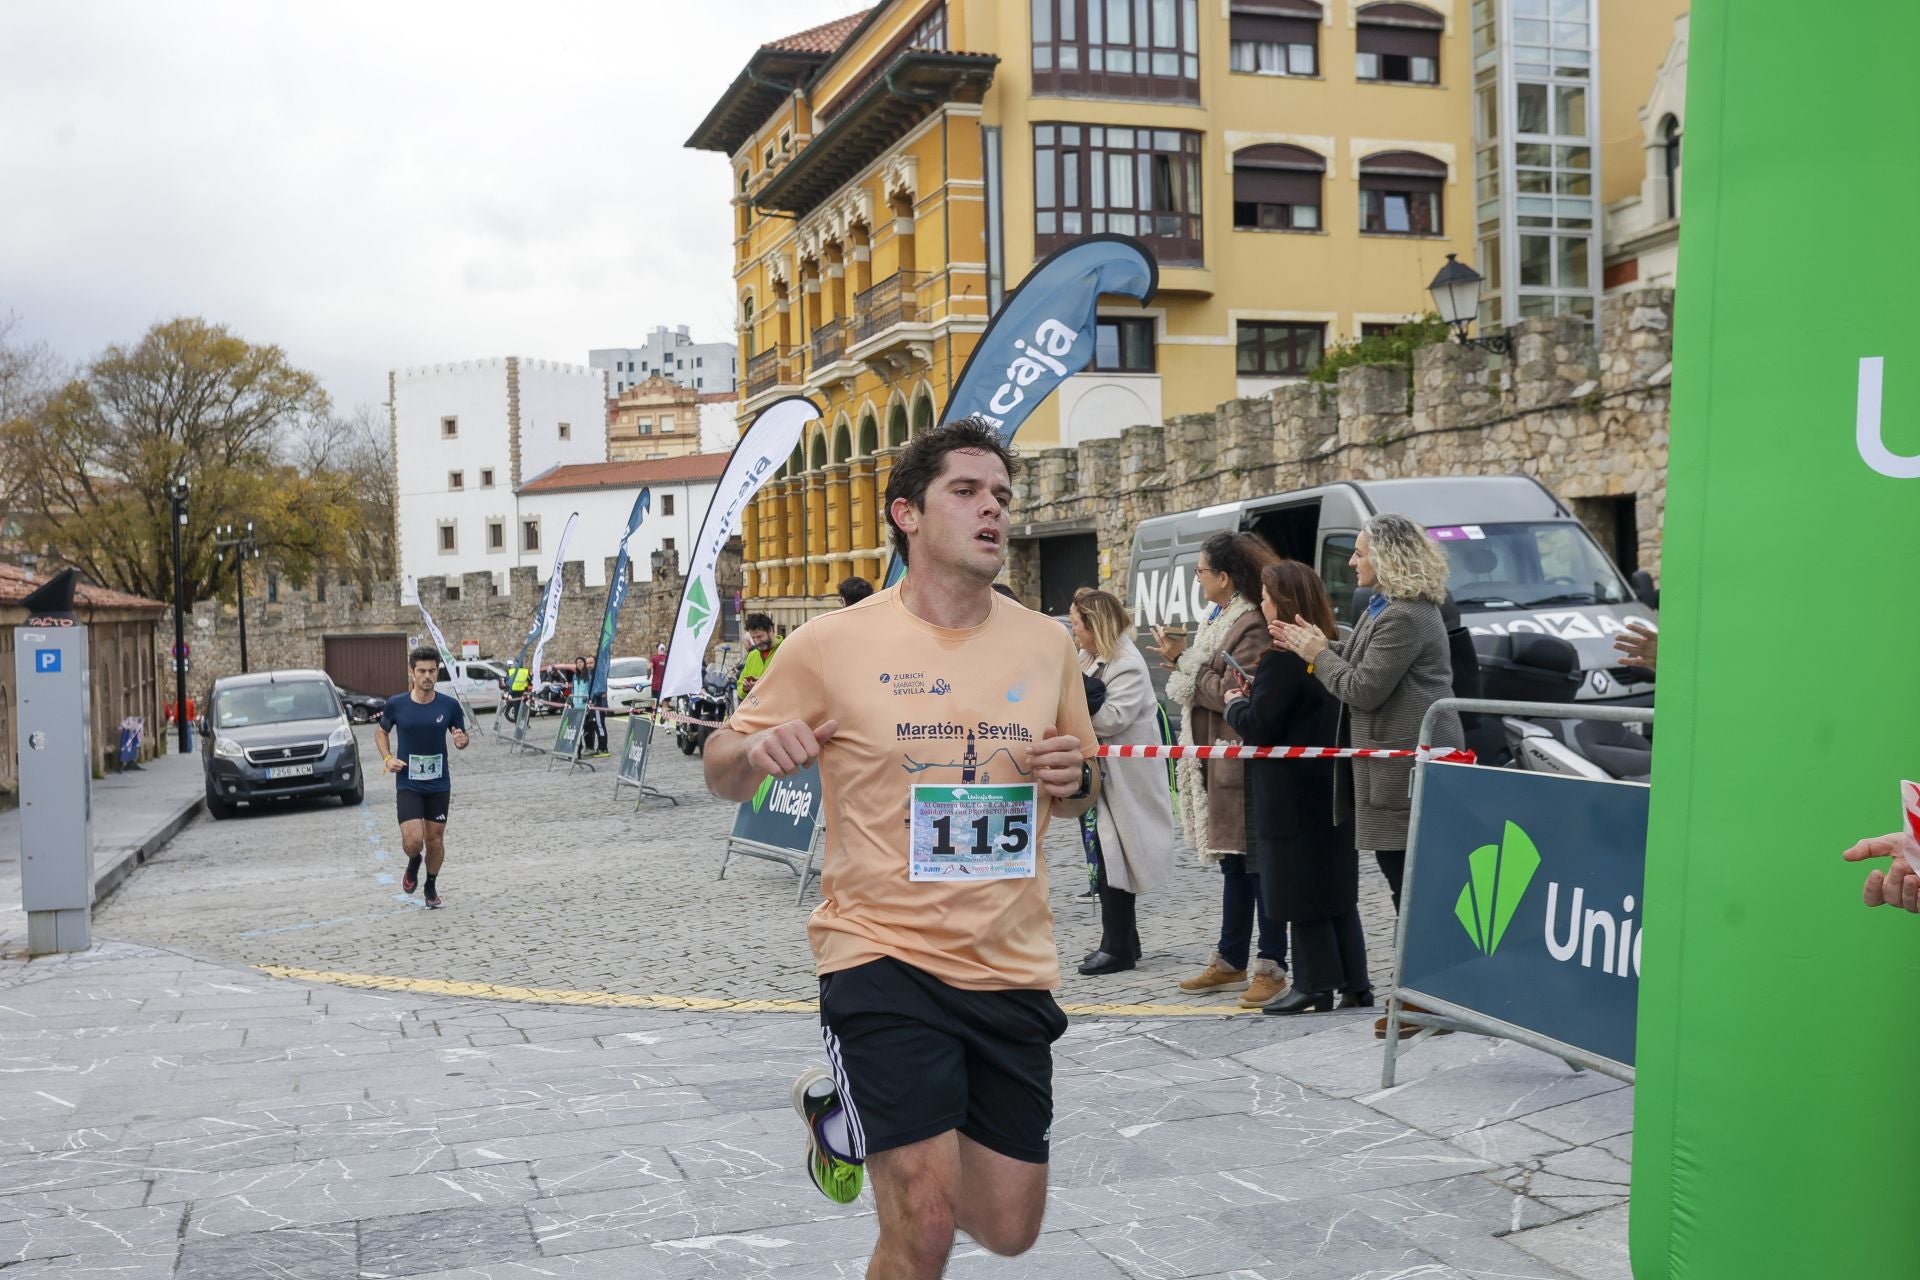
55 728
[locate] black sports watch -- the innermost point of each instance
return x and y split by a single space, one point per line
1086 782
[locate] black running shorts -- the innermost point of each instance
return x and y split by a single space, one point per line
914 1058
415 805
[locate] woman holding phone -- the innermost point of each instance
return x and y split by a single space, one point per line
1212 808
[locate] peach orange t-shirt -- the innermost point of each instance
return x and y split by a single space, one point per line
920 704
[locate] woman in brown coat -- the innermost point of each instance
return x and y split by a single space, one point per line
1213 792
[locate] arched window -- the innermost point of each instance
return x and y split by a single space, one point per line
1277 188
1400 194
746 327
922 418
897 423
1399 44
870 435
819 450
842 443
1670 145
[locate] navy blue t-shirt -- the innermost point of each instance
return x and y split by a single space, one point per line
421 739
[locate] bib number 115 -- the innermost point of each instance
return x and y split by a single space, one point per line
1014 840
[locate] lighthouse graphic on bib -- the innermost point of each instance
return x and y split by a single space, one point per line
969 763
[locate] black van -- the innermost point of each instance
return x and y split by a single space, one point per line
1522 563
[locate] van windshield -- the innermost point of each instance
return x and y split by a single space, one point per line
1523 566
273 704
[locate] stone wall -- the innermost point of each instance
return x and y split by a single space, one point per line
292 631
1589 422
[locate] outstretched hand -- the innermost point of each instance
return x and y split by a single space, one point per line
1898 885
1640 643
786 749
1300 637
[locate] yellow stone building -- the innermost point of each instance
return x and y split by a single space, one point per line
1301 170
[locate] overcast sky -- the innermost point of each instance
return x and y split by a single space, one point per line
371 185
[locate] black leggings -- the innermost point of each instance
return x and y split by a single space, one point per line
1393 865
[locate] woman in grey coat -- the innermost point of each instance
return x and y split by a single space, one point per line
1386 675
1134 816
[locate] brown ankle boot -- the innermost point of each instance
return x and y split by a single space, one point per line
1269 980
1214 976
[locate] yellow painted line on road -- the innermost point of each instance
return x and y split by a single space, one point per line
681 1004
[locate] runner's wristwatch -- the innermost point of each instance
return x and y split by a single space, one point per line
1086 782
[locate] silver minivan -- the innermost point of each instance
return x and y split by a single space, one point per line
1521 562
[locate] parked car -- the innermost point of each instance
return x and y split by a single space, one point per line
362 708
629 683
276 735
478 680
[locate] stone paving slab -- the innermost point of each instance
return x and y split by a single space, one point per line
653 1143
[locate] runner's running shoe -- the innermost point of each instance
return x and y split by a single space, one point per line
411 880
815 1096
433 898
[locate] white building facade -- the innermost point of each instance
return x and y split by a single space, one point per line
603 494
466 437
669 353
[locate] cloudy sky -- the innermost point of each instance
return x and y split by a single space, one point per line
371 185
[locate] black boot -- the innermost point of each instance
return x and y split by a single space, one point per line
1362 999
1103 962
1298 1001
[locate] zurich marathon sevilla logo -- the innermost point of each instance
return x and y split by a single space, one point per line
885 678
941 687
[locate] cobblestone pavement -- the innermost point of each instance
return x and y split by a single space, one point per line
163 1118
553 884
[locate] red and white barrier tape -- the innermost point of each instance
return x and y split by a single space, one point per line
676 718
1442 755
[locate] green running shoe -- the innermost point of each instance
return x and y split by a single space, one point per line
814 1096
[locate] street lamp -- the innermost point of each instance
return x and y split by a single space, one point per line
224 537
1456 296
178 499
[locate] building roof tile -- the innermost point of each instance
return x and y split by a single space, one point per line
824 38
691 469
16 584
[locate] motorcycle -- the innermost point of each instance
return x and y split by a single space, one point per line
1542 668
714 703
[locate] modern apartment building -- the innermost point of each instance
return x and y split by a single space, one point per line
669 353
1301 171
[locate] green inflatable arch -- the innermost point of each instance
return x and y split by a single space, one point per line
1777 1123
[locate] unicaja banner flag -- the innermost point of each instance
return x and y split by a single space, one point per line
762 450
440 643
548 618
1779 1019
1044 333
617 593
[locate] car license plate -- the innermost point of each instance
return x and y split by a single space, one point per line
290 771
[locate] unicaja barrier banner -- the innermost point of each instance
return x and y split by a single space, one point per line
783 812
617 594
1527 902
1779 1017
1045 332
440 643
549 619
764 447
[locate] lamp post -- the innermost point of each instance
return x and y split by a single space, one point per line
246 550
178 499
1456 296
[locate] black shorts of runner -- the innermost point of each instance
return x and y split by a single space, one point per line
914 1058
417 805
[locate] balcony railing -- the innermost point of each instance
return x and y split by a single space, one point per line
895 300
829 344
763 370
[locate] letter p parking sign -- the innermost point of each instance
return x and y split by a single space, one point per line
46 661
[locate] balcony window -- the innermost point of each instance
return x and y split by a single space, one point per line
1399 44
1400 194
1124 345
1274 37
1277 188
1117 48
1279 349
1136 182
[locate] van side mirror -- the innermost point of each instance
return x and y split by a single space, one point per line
1644 588
1545 653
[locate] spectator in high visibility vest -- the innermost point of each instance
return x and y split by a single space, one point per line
518 678
763 645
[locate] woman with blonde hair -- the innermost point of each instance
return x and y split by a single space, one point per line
1130 837
1386 675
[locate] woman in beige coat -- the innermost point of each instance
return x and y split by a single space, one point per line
1212 792
1133 821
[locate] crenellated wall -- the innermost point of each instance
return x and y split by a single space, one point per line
1589 421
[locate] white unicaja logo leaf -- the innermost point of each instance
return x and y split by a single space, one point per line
1866 426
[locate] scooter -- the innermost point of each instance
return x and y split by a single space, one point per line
714 703
1543 668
